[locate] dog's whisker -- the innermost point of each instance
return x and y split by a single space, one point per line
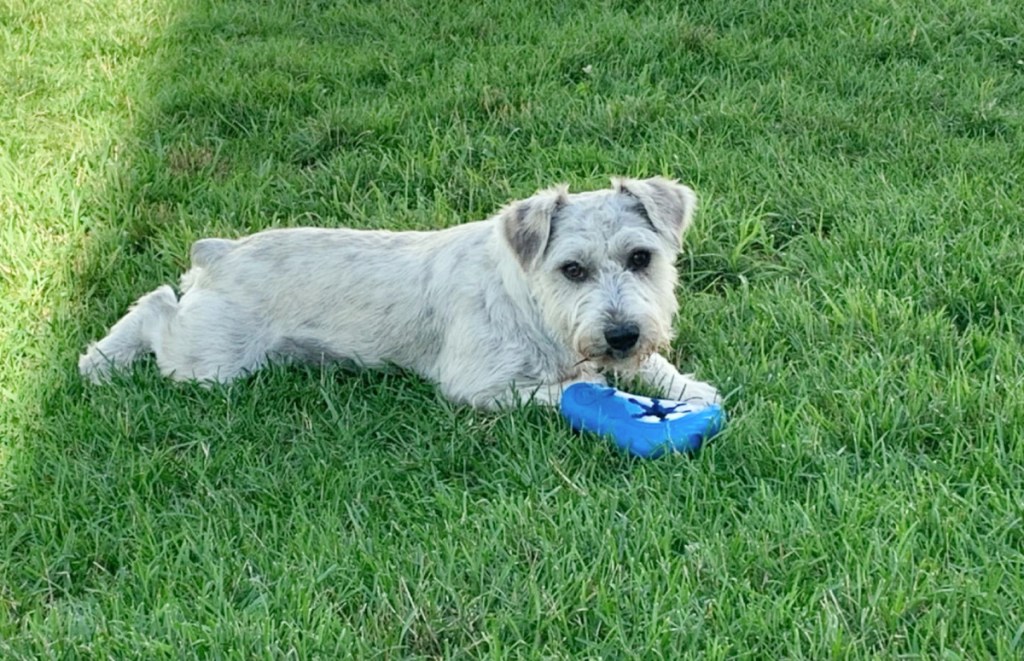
585 359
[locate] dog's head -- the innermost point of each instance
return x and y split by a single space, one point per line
601 265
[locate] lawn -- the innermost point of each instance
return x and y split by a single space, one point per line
854 281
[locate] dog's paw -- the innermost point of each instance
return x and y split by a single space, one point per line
94 366
684 388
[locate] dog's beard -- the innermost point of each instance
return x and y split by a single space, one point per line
602 357
585 337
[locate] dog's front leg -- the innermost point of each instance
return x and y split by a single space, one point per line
551 394
545 395
670 384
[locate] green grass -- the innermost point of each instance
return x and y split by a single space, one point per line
854 280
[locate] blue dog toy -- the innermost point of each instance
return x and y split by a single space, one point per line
643 426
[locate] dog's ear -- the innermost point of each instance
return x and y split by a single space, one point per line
526 225
666 203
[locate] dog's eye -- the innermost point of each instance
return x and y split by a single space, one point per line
639 260
574 271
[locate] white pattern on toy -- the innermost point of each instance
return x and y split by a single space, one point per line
658 410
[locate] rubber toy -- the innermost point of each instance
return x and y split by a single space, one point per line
643 426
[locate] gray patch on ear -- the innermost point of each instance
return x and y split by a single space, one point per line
527 224
669 204
524 241
522 211
553 226
639 208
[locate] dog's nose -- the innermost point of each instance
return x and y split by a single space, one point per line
622 336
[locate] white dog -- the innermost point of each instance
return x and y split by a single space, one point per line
554 289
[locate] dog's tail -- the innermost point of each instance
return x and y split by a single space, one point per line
137 333
205 253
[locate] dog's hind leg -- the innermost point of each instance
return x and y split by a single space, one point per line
212 337
137 333
204 336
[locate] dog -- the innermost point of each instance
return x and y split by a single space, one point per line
552 290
